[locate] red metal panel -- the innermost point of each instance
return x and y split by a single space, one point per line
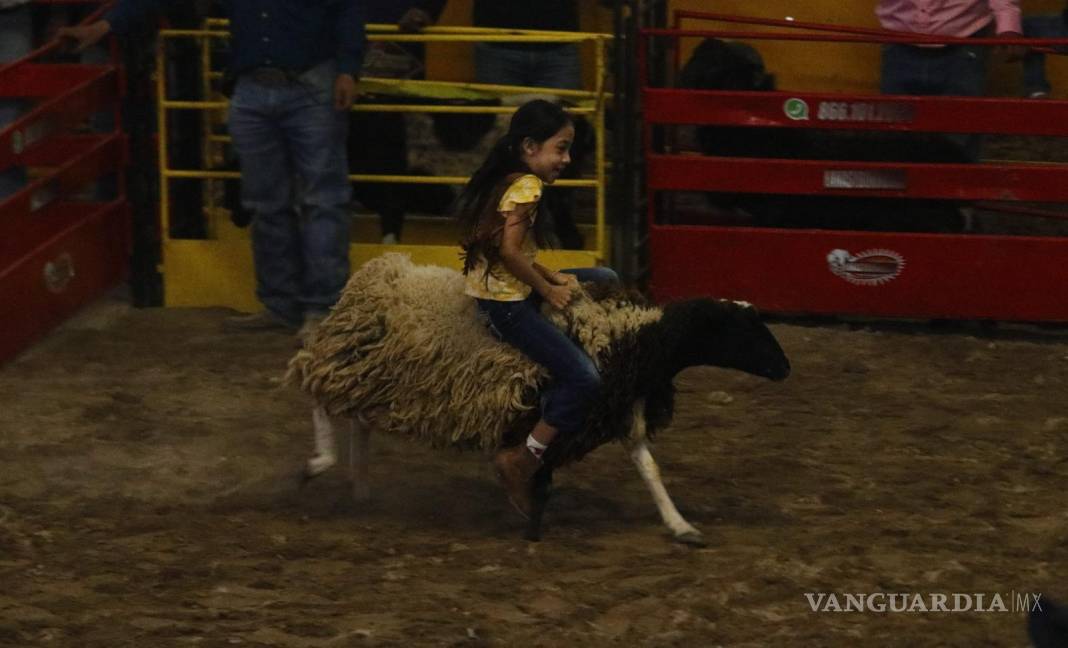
1032 182
939 276
80 159
854 111
76 93
27 79
88 250
856 273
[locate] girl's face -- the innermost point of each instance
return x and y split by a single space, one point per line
547 159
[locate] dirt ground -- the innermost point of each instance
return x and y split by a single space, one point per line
148 497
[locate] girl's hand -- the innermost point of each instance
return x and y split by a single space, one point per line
558 296
564 279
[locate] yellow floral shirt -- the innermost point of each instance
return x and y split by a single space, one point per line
501 285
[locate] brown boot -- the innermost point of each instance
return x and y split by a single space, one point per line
515 469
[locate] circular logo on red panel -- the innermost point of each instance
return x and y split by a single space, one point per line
867 268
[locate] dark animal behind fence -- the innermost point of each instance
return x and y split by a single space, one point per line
722 65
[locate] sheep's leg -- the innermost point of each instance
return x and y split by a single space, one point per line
542 487
359 458
683 531
325 445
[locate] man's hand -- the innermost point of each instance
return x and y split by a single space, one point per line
1012 53
84 36
414 20
344 92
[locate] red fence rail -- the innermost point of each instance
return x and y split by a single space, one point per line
855 272
61 244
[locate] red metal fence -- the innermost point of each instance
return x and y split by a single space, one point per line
60 245
855 272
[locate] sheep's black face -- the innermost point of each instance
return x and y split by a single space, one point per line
732 335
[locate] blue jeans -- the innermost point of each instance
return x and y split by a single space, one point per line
16 41
1034 64
290 142
955 70
552 67
575 380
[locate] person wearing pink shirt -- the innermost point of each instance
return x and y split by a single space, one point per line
950 70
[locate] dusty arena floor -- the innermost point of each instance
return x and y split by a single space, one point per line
148 497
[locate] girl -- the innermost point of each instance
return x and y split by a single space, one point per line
498 210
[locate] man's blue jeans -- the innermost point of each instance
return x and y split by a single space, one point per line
955 70
16 41
290 143
550 67
575 380
1034 64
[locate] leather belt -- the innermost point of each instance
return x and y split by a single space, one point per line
272 76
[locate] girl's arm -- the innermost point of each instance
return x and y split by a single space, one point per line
554 277
516 224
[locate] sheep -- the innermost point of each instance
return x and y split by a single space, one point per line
726 65
405 351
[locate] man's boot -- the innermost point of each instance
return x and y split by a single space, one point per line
515 469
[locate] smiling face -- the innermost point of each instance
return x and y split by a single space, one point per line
548 159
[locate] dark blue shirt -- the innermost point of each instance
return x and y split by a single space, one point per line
391 11
290 34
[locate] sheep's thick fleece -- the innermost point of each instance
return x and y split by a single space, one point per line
405 347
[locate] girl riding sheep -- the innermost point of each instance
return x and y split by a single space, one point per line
498 211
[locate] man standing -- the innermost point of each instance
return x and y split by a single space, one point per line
952 70
295 65
544 65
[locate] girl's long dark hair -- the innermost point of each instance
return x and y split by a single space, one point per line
539 120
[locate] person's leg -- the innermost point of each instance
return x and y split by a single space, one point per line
267 192
600 274
1034 63
378 143
556 67
565 404
963 73
575 379
16 41
317 134
498 65
903 70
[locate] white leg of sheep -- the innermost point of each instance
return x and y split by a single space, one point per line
683 531
325 445
325 456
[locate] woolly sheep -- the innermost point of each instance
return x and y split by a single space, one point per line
404 352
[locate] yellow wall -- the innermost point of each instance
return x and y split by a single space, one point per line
809 66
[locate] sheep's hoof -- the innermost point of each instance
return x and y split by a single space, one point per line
319 464
692 538
316 466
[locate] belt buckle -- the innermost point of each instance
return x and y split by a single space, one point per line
270 76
